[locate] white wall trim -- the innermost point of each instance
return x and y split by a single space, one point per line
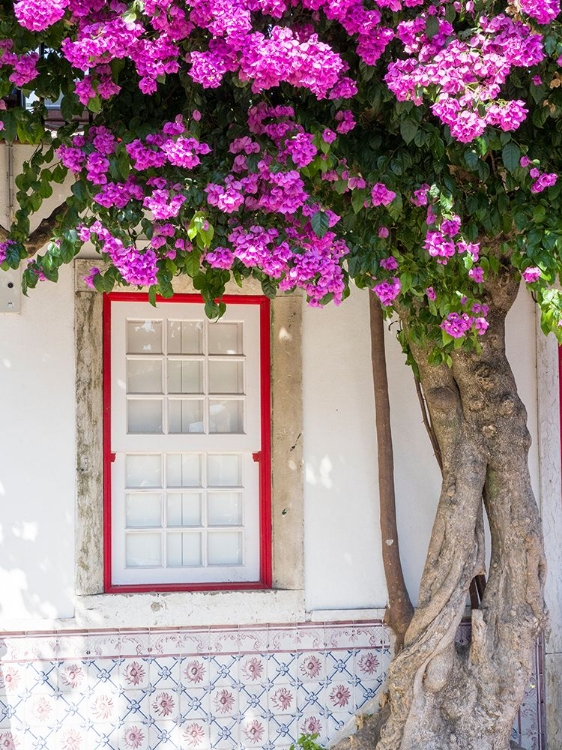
551 512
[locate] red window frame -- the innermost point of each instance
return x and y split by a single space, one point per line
263 457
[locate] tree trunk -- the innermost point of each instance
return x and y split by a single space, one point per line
399 611
443 696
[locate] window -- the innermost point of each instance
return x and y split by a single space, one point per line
98 600
186 444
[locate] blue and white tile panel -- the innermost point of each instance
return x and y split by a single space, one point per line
196 688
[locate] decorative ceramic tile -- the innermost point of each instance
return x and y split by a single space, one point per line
282 638
310 637
201 688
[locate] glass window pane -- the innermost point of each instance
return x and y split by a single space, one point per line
144 337
225 338
144 376
191 547
173 551
184 550
143 470
144 416
224 548
185 416
185 376
224 470
184 509
143 510
226 377
224 508
143 550
226 416
184 470
185 336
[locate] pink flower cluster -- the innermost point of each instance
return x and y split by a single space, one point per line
169 146
458 325
381 195
544 11
315 268
137 268
467 75
24 66
542 180
531 274
440 243
387 291
157 39
160 36
37 15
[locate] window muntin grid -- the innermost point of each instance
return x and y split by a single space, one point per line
197 517
185 376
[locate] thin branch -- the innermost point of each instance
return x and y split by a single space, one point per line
427 424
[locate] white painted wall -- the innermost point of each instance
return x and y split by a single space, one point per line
343 566
37 455
342 542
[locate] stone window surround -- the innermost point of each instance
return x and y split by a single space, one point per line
285 601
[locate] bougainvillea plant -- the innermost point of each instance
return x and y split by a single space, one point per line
411 147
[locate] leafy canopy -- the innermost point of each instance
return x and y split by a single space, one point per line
410 146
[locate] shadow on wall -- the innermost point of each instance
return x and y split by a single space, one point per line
31 583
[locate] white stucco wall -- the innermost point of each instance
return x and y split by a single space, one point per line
343 568
37 455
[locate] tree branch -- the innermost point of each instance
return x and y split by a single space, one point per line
43 233
400 610
427 423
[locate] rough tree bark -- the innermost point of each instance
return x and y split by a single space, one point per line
442 696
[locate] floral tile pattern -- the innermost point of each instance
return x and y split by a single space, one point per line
200 688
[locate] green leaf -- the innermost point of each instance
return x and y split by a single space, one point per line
408 129
539 214
94 105
10 126
319 223
199 281
431 26
269 287
212 309
192 263
123 164
59 173
358 199
79 191
206 236
45 189
68 106
450 13
99 282
471 159
511 153
395 208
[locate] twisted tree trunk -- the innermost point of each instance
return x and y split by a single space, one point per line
444 697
